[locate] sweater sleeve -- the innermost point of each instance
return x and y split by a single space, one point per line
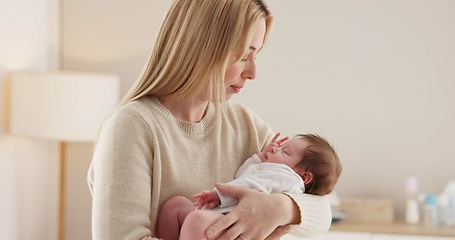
120 179
315 215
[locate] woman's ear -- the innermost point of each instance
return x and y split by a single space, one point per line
307 177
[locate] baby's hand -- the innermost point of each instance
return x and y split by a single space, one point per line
206 198
273 144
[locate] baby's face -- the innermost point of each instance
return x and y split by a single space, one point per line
289 153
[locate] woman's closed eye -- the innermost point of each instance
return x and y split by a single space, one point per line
244 59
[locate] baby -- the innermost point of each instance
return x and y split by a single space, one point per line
306 163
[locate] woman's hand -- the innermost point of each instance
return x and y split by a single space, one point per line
257 216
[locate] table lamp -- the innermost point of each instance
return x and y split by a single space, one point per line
62 107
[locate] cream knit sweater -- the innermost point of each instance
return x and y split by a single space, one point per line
144 156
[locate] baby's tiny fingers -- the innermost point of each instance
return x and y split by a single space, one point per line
279 142
275 137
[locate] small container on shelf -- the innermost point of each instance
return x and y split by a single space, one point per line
412 214
431 210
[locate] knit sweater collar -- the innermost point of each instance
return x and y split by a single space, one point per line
188 129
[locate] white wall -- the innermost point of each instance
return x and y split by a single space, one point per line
28 168
374 77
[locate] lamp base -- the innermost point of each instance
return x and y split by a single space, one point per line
61 216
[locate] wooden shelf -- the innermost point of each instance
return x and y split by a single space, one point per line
393 228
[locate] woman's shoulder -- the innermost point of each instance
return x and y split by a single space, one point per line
140 110
238 107
241 114
140 105
240 110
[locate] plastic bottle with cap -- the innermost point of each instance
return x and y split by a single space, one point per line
431 210
412 215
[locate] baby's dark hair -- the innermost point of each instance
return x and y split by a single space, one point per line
322 161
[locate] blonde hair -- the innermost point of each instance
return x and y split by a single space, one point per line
322 161
197 41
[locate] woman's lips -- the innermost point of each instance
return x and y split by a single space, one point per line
236 89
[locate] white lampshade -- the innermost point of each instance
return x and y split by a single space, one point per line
61 106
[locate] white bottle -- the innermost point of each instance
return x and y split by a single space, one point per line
451 210
412 215
443 209
450 191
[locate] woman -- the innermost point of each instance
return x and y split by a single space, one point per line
175 132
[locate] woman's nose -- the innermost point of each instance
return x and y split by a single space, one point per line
250 70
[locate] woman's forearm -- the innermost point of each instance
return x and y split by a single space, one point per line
290 211
314 213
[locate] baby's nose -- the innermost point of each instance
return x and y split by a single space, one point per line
274 150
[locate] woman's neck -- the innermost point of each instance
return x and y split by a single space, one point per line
192 110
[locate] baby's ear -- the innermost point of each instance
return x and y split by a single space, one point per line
307 177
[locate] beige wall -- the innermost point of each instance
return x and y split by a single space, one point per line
102 36
375 77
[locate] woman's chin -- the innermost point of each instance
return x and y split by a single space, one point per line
229 96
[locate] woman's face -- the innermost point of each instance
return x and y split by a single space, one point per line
245 69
